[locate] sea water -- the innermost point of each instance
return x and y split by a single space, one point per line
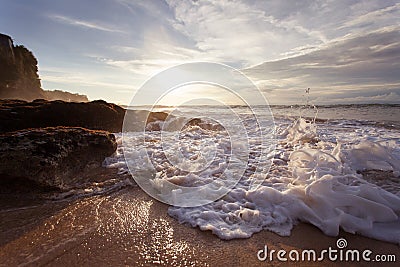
313 169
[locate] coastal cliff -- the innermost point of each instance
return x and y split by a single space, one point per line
19 78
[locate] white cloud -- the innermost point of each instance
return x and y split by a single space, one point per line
236 31
388 15
82 23
354 67
154 57
82 80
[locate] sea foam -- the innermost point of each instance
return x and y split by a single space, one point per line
314 178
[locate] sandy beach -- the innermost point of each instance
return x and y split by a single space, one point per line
128 228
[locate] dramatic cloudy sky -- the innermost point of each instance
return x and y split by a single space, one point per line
345 51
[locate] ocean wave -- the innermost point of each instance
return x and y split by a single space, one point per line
316 176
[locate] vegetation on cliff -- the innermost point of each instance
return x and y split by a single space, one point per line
19 78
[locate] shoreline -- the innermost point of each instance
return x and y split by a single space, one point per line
128 227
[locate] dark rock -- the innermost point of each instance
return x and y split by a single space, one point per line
156 116
209 124
95 115
54 157
136 119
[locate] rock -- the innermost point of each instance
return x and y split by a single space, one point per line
96 115
136 119
53 157
156 116
209 124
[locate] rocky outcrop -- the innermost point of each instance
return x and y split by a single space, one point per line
56 144
95 115
54 157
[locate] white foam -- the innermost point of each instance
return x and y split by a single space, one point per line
313 179
369 155
300 131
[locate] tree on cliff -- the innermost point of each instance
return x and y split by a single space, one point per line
28 66
19 75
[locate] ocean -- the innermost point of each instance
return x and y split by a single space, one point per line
236 171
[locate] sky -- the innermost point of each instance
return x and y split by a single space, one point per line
345 51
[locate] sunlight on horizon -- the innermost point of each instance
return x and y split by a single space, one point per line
199 94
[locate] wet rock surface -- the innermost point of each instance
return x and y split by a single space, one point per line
95 115
52 157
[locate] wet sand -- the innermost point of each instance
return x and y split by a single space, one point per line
128 227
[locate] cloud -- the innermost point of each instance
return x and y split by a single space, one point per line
335 47
154 57
82 80
354 66
237 31
77 79
388 14
82 23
